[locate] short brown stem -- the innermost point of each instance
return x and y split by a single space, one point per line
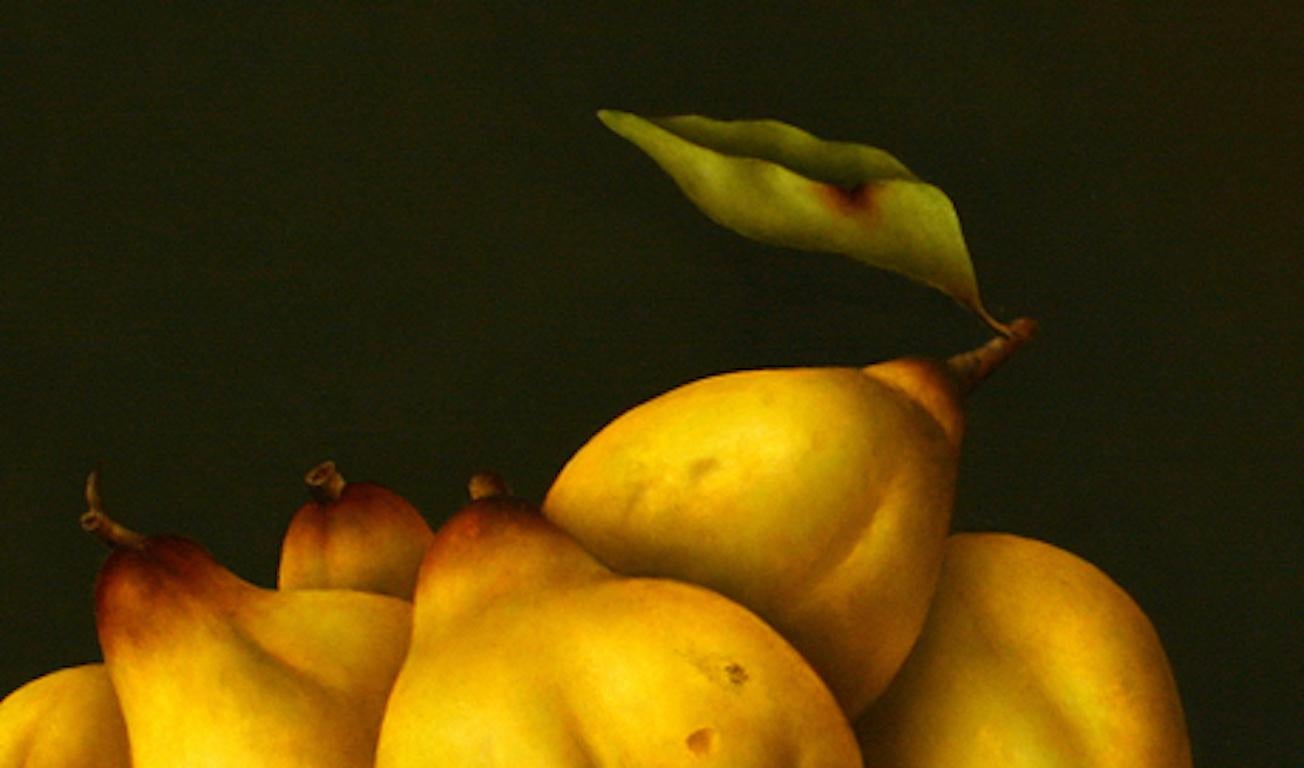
486 485
95 520
970 368
325 483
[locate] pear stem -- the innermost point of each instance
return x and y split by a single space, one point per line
996 325
95 520
970 368
486 485
325 483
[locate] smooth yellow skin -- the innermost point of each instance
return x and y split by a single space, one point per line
527 652
817 497
213 671
1031 658
66 719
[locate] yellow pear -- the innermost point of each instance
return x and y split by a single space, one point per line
212 671
352 536
817 497
528 652
1030 658
68 718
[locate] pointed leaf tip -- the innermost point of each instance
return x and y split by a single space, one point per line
778 184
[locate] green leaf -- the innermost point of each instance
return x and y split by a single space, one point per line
778 184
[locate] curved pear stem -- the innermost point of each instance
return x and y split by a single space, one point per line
1007 331
486 485
970 368
325 483
95 520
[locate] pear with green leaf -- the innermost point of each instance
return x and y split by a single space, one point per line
819 498
211 670
68 718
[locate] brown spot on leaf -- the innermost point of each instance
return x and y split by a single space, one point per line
850 201
701 742
737 675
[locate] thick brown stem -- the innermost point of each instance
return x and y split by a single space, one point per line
970 368
95 520
486 485
325 483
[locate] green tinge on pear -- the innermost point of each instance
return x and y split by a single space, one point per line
780 185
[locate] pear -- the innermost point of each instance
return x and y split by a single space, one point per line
353 536
1031 658
818 497
528 652
68 718
211 670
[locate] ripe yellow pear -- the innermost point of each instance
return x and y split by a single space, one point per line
211 670
817 497
68 718
527 652
352 536
1030 658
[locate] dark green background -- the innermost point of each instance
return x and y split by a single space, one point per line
245 241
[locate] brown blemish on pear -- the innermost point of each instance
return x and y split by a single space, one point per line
736 673
701 742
